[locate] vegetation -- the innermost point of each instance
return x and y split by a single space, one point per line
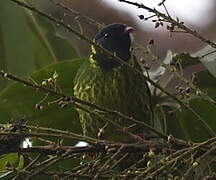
38 109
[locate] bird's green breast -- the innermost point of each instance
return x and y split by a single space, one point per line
120 89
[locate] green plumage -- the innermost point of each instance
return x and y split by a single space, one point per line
120 89
117 87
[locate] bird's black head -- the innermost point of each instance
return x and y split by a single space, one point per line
115 38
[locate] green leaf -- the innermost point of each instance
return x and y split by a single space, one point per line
16 43
209 59
14 160
18 100
207 83
20 45
185 59
11 158
170 123
43 51
28 43
192 127
60 45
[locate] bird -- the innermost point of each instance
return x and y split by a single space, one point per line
108 83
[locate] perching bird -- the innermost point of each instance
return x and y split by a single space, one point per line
104 81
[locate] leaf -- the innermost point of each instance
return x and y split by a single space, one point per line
193 128
169 122
60 44
11 158
157 73
209 59
18 100
207 83
192 66
43 51
26 43
16 50
186 59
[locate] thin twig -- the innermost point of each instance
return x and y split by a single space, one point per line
172 21
76 13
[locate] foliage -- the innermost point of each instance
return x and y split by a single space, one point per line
40 106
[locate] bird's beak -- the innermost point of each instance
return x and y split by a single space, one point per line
128 30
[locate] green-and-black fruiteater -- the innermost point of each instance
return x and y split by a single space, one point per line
104 81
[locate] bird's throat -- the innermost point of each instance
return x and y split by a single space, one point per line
106 63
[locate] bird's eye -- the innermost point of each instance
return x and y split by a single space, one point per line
106 35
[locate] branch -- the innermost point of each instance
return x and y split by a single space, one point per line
99 148
172 21
76 14
74 100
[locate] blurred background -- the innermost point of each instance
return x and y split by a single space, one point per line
196 14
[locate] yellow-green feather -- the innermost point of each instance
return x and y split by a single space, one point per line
120 89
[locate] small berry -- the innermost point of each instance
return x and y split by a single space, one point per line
141 17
